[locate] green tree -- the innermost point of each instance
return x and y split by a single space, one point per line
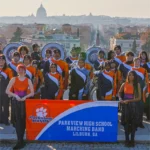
17 35
146 46
134 47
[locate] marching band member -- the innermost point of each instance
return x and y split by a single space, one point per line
48 56
35 55
39 79
143 80
53 84
147 67
144 58
125 67
129 95
79 87
106 84
20 85
30 70
87 65
101 59
120 57
73 59
13 66
23 50
62 67
5 75
14 63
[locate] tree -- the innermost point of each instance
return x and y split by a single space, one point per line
134 47
17 35
146 46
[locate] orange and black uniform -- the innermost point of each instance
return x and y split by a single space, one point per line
147 104
53 86
62 69
5 76
90 69
20 88
106 85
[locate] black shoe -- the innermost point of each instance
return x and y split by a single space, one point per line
132 144
18 146
127 144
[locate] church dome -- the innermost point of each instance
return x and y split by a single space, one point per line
41 12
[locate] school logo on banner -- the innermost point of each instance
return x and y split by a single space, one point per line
41 114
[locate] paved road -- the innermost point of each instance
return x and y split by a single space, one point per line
76 146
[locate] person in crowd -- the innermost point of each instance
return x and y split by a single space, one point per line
23 50
53 88
13 66
39 79
62 67
112 57
30 70
144 58
35 55
72 60
120 57
106 83
129 95
143 81
14 63
125 67
80 79
5 75
83 55
48 56
1 48
101 59
20 85
147 104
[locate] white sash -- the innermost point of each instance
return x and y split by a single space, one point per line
127 66
139 74
108 77
4 74
29 74
54 79
118 60
82 75
109 92
148 64
59 69
13 67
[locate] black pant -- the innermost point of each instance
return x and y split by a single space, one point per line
4 108
129 129
20 118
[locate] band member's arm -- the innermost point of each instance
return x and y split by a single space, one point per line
66 76
114 86
9 87
87 85
120 92
60 93
73 83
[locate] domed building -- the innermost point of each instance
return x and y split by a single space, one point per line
41 12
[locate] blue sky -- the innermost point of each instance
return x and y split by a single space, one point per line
121 8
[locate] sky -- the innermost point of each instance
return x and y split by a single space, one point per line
120 8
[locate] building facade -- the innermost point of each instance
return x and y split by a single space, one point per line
126 44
